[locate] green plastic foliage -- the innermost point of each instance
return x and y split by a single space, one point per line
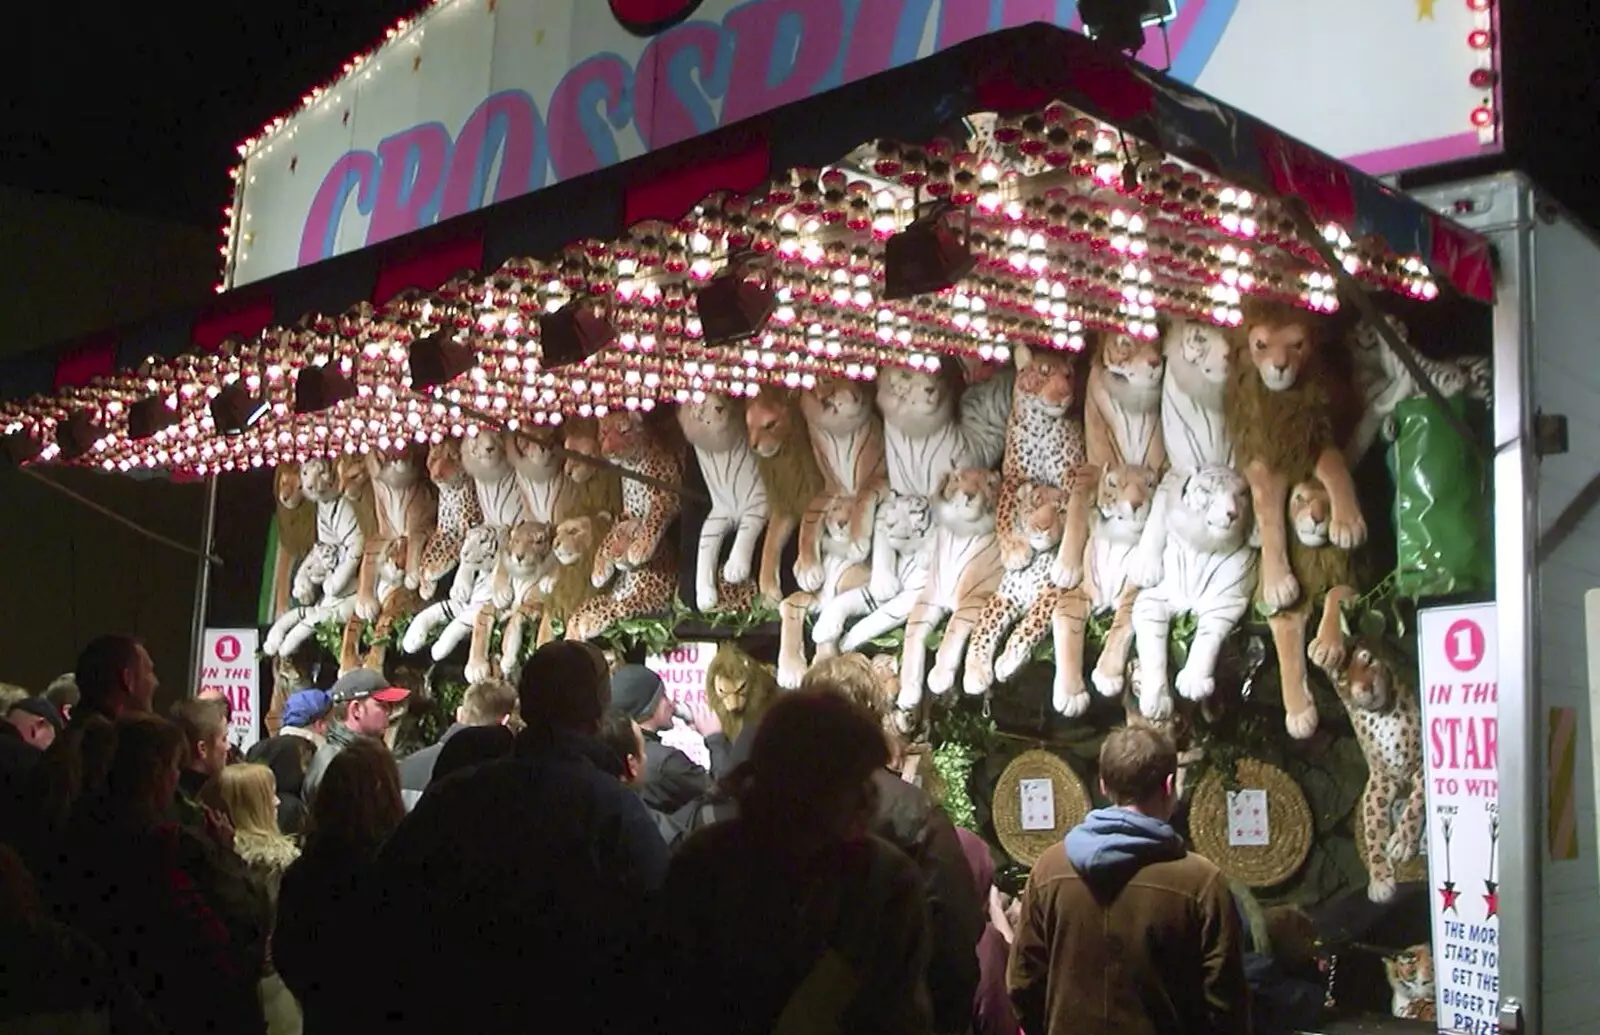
1442 507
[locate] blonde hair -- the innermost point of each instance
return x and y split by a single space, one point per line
851 675
246 794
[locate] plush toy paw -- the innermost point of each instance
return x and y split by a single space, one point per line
1347 534
705 597
977 679
1401 849
1380 890
882 589
1279 589
1016 556
827 631
547 584
791 670
477 671
1301 725
908 700
1008 665
737 570
809 576
1066 576
367 609
503 598
1155 703
416 637
1195 686
413 582
1327 653
941 679
1108 682
1144 568
1069 703
333 587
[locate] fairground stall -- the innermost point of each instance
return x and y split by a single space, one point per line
1070 394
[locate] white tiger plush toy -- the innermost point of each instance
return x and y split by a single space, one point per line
963 573
1122 411
904 524
1039 520
842 572
1209 570
1383 382
715 427
339 535
494 480
297 624
1194 430
471 598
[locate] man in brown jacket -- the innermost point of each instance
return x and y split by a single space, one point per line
1122 930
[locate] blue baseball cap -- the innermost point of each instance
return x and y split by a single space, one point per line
305 707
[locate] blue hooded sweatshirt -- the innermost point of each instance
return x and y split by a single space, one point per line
1120 839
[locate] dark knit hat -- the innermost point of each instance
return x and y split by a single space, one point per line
636 691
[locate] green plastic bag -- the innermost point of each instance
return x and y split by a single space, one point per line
1442 508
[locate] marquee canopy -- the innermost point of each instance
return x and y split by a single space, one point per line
1093 194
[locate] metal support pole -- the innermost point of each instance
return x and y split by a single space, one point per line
202 586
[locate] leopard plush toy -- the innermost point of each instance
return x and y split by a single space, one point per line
1387 717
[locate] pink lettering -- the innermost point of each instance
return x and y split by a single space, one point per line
581 139
678 73
507 126
411 173
354 174
782 50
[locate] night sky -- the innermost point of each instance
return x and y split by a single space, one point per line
141 109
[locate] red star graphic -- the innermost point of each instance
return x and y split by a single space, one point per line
1450 894
1492 898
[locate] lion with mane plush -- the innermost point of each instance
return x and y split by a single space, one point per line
1280 411
738 688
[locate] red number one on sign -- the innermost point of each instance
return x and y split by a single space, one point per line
1463 645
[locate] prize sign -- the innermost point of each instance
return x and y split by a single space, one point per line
229 665
1459 669
683 670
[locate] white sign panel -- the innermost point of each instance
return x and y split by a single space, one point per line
1459 667
1247 819
478 101
1038 804
683 670
229 665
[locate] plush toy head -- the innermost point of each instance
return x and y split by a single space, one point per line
916 402
1045 381
319 480
904 522
354 478
482 542
444 462
397 469
769 422
1309 512
1367 681
836 526
1282 343
286 484
967 500
1133 366
484 455
528 547
532 453
1122 500
838 406
1041 515
1214 513
1198 357
622 435
738 688
582 436
715 422
574 540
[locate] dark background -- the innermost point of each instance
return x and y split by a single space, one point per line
139 108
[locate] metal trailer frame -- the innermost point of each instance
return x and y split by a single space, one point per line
1538 505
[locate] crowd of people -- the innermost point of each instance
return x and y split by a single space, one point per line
551 865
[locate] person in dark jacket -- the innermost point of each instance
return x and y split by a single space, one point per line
488 702
288 757
625 759
908 819
672 779
991 1008
204 722
792 917
322 900
539 857
1122 930
474 746
172 907
362 701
